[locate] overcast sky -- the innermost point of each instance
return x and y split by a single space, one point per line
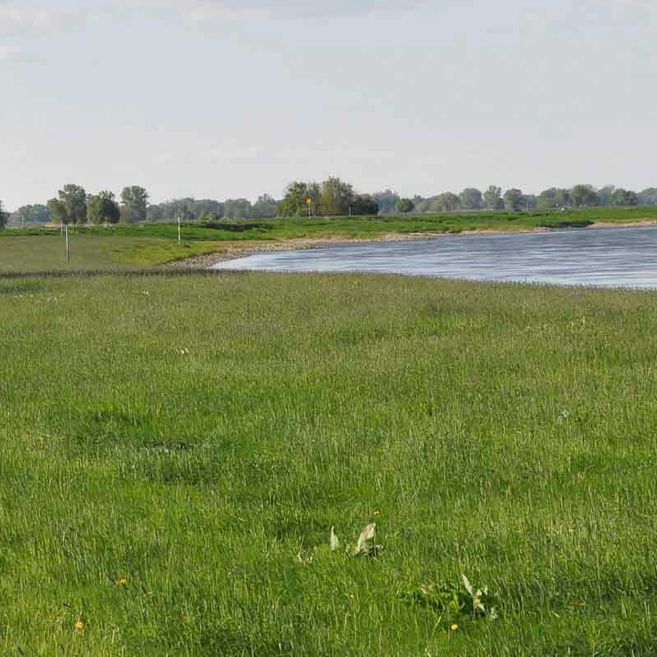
228 98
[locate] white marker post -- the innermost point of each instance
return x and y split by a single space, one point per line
68 244
179 232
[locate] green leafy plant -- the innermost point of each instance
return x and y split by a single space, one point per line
455 601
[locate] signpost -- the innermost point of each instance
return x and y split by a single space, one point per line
309 203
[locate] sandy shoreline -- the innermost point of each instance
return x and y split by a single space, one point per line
296 244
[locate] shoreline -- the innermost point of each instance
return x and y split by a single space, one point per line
302 243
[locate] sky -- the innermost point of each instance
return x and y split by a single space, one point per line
235 98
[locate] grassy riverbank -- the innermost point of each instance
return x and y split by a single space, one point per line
136 246
175 451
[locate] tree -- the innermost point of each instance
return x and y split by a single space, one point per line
70 206
134 202
529 201
387 201
239 208
265 207
471 199
103 209
493 198
447 202
648 196
624 198
605 195
584 196
364 204
552 198
4 217
513 200
31 214
295 202
405 205
563 198
335 198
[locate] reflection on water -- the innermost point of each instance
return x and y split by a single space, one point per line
603 257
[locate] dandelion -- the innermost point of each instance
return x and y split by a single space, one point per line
79 625
123 582
453 627
377 513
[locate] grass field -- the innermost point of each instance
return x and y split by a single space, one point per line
175 450
136 246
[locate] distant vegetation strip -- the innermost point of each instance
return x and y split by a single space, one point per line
332 197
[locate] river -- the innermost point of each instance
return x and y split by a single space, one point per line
608 257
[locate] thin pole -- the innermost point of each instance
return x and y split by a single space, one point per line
179 232
68 244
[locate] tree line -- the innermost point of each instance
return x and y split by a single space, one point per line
332 197
514 200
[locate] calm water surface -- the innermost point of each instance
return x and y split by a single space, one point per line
609 257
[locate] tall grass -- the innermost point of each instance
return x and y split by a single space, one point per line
175 451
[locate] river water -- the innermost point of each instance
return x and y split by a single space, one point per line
609 257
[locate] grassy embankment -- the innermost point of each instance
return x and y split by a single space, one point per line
144 246
174 452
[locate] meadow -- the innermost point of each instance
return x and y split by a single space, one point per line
174 451
144 245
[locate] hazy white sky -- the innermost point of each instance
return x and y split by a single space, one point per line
226 98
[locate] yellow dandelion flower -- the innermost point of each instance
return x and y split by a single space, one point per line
123 582
79 625
377 514
454 627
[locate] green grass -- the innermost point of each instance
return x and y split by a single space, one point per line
199 436
46 252
142 245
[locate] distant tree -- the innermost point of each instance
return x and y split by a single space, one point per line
335 198
529 201
553 198
405 205
584 196
605 195
295 202
513 200
364 204
31 214
188 209
563 198
648 196
103 209
134 204
57 211
421 204
624 198
265 207
446 202
471 199
4 217
239 208
547 199
493 198
387 201
70 206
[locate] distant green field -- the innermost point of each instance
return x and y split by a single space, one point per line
41 252
174 452
126 246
